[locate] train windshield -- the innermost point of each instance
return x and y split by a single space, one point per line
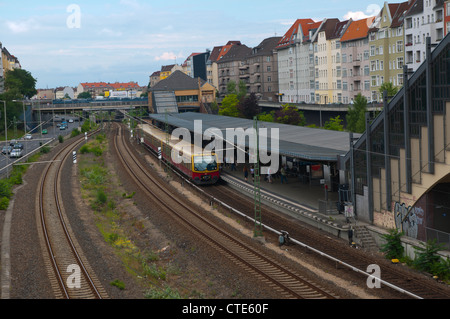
205 163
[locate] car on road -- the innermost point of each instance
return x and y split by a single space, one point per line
6 149
18 146
28 137
62 127
16 153
13 142
71 121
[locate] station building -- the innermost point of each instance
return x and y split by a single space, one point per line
400 167
397 172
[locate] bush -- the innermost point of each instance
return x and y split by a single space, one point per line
61 139
45 150
118 283
101 197
393 247
4 203
75 132
96 150
84 149
427 257
5 188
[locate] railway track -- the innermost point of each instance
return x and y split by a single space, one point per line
286 282
406 282
70 275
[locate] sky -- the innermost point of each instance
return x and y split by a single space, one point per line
64 43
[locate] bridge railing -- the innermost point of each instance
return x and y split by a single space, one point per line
88 104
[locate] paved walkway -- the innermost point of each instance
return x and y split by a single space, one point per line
304 194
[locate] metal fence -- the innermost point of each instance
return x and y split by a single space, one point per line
441 237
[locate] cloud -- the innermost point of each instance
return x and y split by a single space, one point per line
166 56
22 26
371 11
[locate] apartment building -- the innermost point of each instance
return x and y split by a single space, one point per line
296 78
8 62
327 48
424 19
355 64
230 65
2 78
446 17
216 55
167 70
260 70
386 42
155 78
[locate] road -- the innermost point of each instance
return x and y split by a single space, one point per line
34 143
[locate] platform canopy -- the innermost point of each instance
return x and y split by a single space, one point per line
302 143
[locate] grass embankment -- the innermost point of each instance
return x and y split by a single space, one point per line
100 190
15 178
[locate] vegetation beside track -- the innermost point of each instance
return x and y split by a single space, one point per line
101 190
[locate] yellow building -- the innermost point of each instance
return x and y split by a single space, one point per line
167 70
386 41
327 61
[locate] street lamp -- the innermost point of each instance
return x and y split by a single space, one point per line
6 138
6 128
24 116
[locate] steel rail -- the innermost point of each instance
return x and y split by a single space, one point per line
54 263
234 255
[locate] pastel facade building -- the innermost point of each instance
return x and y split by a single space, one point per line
387 47
355 64
424 19
296 78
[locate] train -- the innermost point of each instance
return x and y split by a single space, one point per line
199 168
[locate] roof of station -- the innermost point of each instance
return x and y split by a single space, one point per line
308 144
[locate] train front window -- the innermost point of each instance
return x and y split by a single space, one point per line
205 163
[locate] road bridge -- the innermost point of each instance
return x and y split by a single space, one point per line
86 104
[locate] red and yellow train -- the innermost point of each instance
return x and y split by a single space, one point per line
201 169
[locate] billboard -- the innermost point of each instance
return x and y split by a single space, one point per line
121 94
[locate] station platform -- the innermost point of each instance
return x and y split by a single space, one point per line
296 198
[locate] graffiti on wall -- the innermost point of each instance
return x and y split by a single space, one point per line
407 219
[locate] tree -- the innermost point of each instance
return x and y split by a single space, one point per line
334 124
21 82
85 95
239 90
267 117
249 107
390 88
229 106
356 116
289 114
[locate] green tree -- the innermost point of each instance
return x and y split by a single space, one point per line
390 88
240 90
334 124
21 82
229 106
249 107
289 114
267 117
356 116
85 95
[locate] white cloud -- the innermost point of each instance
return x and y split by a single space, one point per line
372 10
21 26
166 56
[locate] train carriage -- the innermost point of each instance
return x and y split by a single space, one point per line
201 169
